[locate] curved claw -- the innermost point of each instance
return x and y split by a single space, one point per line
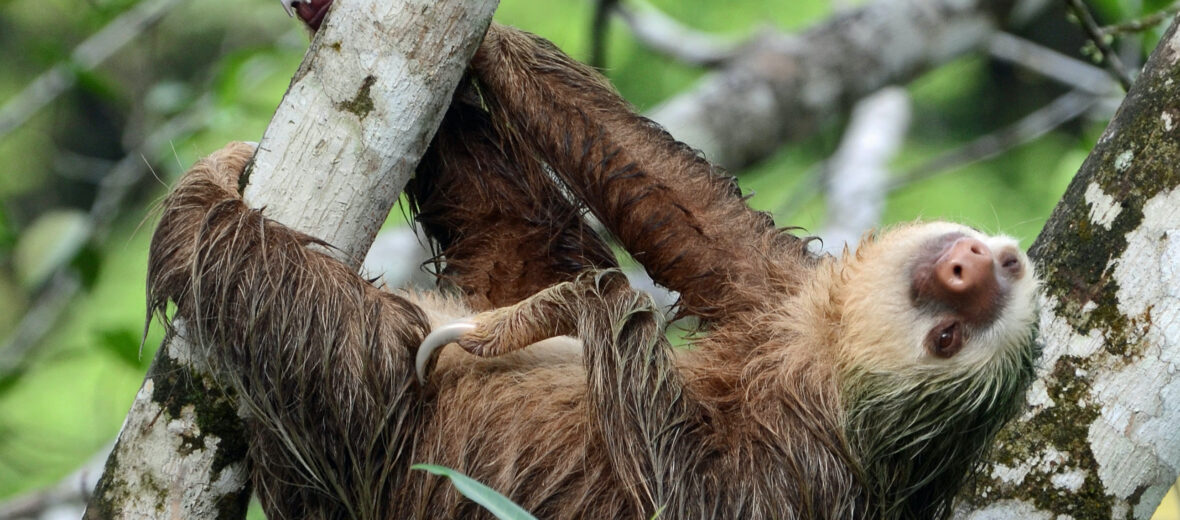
289 5
439 337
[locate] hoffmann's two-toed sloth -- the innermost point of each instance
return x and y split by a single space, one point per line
864 386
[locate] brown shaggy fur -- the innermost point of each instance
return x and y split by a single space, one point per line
799 402
504 228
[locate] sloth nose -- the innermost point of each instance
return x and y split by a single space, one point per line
962 277
965 268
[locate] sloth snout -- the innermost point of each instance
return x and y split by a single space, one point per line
965 268
961 276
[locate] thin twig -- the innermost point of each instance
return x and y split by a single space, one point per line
1067 70
46 310
1062 110
1040 122
1145 23
86 56
598 27
1094 32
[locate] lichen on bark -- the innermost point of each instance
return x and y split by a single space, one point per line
1081 448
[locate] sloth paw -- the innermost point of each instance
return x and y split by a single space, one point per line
492 333
224 167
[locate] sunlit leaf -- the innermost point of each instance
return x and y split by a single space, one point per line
497 504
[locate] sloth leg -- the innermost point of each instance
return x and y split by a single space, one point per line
503 225
636 400
554 311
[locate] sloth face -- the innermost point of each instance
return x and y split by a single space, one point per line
936 296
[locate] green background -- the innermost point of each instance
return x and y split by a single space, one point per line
218 68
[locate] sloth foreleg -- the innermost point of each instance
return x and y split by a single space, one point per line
554 311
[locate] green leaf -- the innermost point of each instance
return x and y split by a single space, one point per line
124 344
87 263
497 504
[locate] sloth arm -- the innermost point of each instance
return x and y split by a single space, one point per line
671 209
635 396
503 226
315 353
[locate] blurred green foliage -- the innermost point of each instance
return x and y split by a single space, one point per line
213 71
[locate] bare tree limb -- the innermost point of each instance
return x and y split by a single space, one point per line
92 52
357 117
669 37
858 171
781 91
1068 71
1101 432
1062 110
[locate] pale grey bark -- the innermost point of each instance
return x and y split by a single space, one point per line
858 173
339 149
782 88
664 34
1101 435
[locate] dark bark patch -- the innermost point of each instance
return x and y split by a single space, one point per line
362 103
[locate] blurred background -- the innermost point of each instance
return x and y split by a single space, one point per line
104 103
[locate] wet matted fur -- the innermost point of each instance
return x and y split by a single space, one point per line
804 398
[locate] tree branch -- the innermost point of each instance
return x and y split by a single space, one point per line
858 171
1094 32
1062 110
781 91
64 284
1141 24
92 52
1099 438
358 115
1051 64
666 35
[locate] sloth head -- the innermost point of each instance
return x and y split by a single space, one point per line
935 335
939 298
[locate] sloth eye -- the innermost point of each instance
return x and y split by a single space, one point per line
945 340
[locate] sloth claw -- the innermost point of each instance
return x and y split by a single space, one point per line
289 5
438 338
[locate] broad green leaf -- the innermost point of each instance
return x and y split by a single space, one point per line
497 504
123 344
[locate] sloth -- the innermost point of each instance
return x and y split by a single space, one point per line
864 385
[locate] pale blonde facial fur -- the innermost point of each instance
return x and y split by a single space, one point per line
883 328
